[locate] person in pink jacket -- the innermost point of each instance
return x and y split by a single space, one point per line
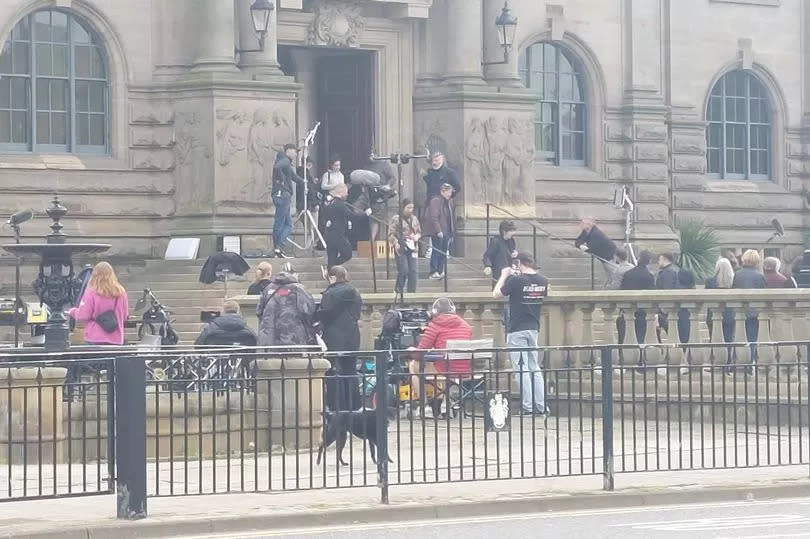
104 293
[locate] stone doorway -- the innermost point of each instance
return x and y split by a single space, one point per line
338 91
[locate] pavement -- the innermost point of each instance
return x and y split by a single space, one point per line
237 515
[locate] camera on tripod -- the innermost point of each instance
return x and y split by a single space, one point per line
401 329
379 195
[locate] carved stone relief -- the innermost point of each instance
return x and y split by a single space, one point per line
336 24
246 147
192 155
499 160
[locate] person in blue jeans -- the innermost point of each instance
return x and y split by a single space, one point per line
439 224
526 290
283 177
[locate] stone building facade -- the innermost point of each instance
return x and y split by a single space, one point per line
144 118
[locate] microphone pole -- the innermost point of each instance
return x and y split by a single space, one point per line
17 300
307 142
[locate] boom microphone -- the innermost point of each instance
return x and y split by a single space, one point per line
20 217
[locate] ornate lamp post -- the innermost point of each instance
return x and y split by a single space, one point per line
506 24
260 12
56 284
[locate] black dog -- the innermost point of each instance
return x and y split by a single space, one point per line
338 425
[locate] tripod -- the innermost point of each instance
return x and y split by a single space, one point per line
622 201
311 235
400 159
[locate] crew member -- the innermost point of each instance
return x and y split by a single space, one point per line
337 216
283 177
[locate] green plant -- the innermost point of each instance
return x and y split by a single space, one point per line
699 248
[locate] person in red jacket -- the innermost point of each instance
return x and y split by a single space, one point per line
445 326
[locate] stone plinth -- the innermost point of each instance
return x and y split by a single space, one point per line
290 402
31 427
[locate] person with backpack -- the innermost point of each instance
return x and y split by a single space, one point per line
104 307
286 313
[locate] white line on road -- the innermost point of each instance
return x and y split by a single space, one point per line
769 536
502 518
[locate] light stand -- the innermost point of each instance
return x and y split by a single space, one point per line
305 215
400 159
18 310
622 201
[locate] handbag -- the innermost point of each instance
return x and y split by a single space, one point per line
108 320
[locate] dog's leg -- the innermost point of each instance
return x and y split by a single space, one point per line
373 450
329 436
341 443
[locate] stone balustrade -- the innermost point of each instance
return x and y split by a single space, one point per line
572 318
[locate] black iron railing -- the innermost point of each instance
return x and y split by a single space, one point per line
248 420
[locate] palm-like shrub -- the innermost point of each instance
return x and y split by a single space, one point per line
699 248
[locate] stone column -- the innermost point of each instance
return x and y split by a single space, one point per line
464 36
500 74
266 61
216 33
304 61
31 406
290 402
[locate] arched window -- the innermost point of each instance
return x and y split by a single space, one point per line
559 83
738 136
53 86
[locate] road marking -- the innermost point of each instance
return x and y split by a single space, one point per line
770 536
521 517
718 523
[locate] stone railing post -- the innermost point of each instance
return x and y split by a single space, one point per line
652 352
695 356
741 354
31 398
587 358
569 333
290 402
766 353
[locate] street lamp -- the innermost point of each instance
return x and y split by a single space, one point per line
260 12
506 24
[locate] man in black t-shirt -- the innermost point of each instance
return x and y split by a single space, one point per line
526 290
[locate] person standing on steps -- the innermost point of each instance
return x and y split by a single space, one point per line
283 177
526 290
501 251
404 233
438 175
593 241
440 226
638 278
337 222
264 273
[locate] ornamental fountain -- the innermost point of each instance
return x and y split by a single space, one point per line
56 284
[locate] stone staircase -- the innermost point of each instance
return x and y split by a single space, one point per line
176 283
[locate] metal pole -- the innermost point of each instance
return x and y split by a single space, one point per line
593 277
382 423
373 256
608 472
17 299
534 243
130 439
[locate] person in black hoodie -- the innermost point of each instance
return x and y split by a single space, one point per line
338 314
638 278
501 251
283 177
667 279
337 217
229 328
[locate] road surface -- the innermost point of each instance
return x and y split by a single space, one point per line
739 520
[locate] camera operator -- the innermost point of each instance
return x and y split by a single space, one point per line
445 325
229 328
337 216
378 196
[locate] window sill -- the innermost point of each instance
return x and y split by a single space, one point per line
61 162
717 185
548 171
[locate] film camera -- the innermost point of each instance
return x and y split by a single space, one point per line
401 328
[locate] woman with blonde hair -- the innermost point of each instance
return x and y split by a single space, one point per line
749 276
264 275
104 308
723 279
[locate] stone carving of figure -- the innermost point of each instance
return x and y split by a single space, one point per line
496 150
475 172
230 139
527 177
513 164
260 158
192 156
281 133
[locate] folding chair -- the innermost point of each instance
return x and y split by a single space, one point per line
465 389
